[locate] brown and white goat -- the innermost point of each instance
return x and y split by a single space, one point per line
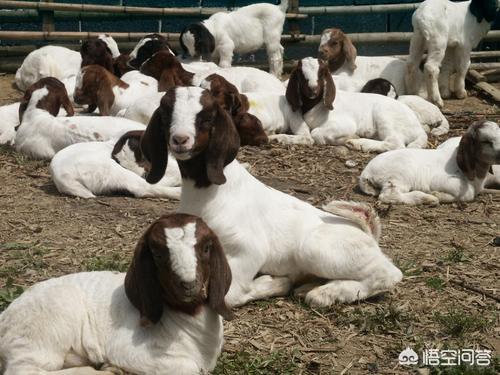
96 51
338 244
337 50
99 88
162 316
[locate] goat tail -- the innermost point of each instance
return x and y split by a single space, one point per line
362 214
283 6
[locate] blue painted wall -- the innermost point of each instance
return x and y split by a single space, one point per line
313 25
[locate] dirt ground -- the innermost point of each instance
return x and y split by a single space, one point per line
446 254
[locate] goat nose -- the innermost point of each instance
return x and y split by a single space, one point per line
180 139
186 285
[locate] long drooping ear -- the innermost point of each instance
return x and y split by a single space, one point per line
349 52
329 90
465 155
222 147
154 146
105 98
66 104
293 94
167 80
220 281
141 283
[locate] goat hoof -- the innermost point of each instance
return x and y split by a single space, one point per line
462 94
111 370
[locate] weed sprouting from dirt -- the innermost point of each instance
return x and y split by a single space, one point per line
435 282
276 362
106 263
457 323
9 293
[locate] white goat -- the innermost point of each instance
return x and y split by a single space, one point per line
244 30
446 174
448 31
428 114
295 239
99 168
41 135
161 317
346 117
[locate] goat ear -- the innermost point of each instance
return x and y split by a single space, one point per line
141 283
166 81
154 147
105 98
293 95
349 52
220 281
66 104
329 90
465 155
222 147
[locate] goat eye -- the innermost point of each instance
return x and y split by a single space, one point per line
207 247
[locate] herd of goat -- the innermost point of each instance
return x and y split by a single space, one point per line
155 125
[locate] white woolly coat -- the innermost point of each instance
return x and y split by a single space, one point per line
88 317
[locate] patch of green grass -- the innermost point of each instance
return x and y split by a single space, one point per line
409 268
16 246
457 323
456 254
9 294
243 362
106 263
435 283
383 319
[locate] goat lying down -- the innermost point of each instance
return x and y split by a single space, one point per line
41 134
446 174
98 88
348 118
163 316
428 114
88 169
295 239
10 114
169 72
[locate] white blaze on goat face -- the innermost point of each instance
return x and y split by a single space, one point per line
181 243
187 106
310 68
324 38
79 80
188 40
490 132
110 42
37 95
133 54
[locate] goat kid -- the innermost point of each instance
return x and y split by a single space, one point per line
335 117
448 31
101 168
41 135
428 114
101 51
244 30
295 239
446 174
163 316
98 88
147 47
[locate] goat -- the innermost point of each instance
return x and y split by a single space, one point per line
448 31
336 118
98 88
250 128
147 47
447 174
11 114
169 72
48 61
162 316
427 113
41 135
88 169
242 31
97 52
295 239
338 51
